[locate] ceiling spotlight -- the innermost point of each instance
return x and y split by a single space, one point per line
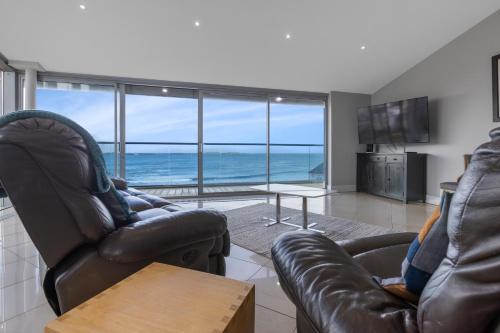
164 90
288 36
363 48
82 7
196 23
278 99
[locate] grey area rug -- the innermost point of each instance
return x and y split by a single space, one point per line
246 227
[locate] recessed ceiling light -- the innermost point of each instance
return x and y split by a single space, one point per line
197 23
278 99
288 36
82 7
164 90
363 48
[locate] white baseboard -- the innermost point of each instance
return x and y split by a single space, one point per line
433 200
344 188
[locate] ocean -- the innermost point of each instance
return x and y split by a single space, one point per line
219 168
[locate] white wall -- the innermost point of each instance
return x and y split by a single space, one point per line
458 80
343 136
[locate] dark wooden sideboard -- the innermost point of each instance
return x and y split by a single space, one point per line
396 176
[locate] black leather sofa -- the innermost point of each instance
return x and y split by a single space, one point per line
93 232
332 286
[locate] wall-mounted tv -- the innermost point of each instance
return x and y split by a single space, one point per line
399 122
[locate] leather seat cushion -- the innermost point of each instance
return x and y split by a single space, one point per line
133 191
150 213
391 257
155 201
137 204
172 208
124 193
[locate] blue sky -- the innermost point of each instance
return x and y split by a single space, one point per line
156 118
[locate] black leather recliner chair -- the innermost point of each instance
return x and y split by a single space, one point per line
90 231
331 283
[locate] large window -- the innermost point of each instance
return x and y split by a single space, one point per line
171 136
234 137
161 136
297 141
91 106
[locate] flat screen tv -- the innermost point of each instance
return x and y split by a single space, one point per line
395 123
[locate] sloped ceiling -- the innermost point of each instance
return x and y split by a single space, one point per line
238 42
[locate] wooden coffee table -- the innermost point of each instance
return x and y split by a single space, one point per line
165 298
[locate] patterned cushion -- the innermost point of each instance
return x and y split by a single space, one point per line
424 255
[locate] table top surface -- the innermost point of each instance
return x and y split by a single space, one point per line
297 190
159 298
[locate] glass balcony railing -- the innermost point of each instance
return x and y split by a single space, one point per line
176 164
296 163
234 164
158 163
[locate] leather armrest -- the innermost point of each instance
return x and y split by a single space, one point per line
332 291
120 183
160 234
384 262
360 245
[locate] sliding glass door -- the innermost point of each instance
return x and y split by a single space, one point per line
204 140
296 142
234 141
161 136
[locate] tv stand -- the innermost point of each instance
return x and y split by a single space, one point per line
397 176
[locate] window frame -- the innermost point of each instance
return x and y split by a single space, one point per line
121 85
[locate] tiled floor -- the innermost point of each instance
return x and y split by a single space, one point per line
353 206
23 307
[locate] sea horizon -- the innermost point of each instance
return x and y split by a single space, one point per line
181 168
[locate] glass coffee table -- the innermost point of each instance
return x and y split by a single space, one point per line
304 192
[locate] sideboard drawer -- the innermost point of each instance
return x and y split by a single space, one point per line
395 158
376 158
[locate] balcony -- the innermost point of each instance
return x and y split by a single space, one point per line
171 168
